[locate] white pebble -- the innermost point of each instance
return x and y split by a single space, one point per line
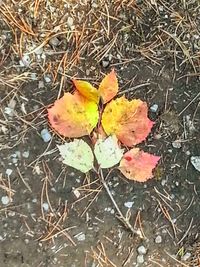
80 237
46 136
176 144
154 108
5 200
9 171
25 61
70 22
141 250
158 239
47 79
25 154
140 259
186 256
195 160
45 206
128 204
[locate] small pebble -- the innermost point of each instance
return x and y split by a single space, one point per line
25 61
154 108
128 204
45 206
46 136
54 41
105 63
140 259
47 78
186 256
70 23
141 250
8 172
39 51
195 160
158 239
25 154
80 237
5 200
176 144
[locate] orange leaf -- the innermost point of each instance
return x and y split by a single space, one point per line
127 120
108 88
73 115
87 90
137 165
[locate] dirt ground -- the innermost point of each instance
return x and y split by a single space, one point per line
52 215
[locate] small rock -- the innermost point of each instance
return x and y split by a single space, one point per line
46 136
54 41
105 63
70 23
140 259
9 171
128 204
5 200
40 84
39 51
80 237
142 250
47 78
154 108
25 61
45 206
195 160
25 154
158 239
176 144
186 256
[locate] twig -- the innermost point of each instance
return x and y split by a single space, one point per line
121 217
133 88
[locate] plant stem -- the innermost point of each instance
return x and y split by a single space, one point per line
121 217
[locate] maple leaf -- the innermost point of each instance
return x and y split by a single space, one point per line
73 115
138 165
87 90
107 152
108 88
77 154
127 120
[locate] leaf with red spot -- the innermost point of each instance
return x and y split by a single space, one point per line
73 115
138 165
127 120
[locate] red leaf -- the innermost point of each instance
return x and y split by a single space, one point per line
138 165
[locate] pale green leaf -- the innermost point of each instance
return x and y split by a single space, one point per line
107 152
78 155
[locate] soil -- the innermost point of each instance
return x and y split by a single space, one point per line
52 215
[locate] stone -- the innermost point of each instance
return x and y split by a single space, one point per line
140 259
141 250
158 239
46 136
195 160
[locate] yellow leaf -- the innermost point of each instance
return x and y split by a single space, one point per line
73 115
127 120
87 90
108 88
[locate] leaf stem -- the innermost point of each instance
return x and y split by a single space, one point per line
120 216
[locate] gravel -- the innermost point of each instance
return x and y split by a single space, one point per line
195 160
158 239
46 136
141 250
140 259
5 200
